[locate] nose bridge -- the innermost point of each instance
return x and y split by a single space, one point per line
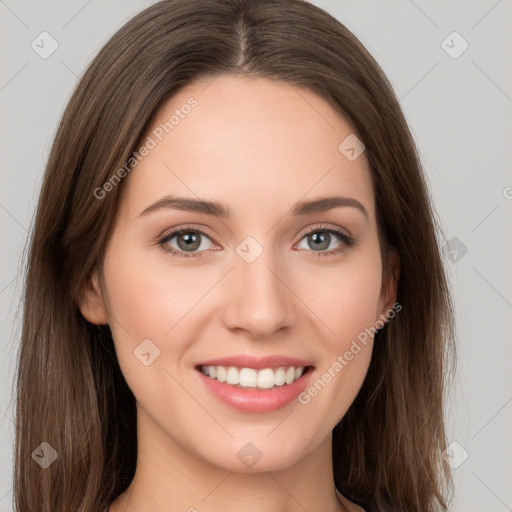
259 301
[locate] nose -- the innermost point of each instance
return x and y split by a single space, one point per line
259 300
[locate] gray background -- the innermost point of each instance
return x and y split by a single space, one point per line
459 111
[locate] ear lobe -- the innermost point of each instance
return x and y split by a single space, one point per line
390 283
92 305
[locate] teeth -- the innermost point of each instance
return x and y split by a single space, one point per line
220 370
251 378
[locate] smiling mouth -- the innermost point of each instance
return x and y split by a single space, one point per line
250 378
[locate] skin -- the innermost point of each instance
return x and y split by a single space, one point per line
257 146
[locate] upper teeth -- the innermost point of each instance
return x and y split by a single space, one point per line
250 378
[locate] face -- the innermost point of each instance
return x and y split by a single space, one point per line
270 276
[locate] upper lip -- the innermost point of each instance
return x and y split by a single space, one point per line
258 363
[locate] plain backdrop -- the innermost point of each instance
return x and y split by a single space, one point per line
450 64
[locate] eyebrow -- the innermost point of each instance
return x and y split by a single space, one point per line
301 208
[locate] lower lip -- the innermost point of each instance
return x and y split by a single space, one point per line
255 400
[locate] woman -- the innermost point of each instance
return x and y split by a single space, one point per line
235 296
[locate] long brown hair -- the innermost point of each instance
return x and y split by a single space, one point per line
71 393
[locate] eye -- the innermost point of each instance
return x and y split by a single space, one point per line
192 242
323 241
185 240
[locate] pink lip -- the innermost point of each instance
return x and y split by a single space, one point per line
258 363
256 400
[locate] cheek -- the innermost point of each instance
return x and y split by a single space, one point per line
144 304
149 295
153 300
345 298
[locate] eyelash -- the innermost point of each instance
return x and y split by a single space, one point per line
347 240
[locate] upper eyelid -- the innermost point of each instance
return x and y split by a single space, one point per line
171 233
326 227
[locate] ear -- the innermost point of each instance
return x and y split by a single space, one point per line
92 305
389 284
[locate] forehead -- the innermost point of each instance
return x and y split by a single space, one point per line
247 142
